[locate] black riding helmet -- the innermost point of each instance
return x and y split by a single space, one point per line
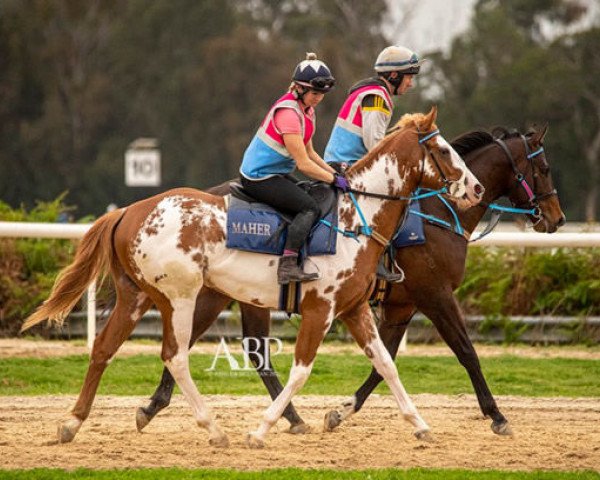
314 74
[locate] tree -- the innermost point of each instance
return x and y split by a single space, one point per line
503 71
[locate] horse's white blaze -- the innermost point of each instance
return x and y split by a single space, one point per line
383 363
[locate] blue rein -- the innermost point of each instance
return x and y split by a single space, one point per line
366 230
458 228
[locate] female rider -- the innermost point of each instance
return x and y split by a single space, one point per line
282 143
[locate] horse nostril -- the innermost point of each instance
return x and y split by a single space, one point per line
562 221
479 189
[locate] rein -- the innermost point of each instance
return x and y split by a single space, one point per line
498 210
367 230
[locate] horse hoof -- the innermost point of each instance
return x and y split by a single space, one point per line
67 430
299 429
252 441
502 428
141 419
220 442
424 436
332 420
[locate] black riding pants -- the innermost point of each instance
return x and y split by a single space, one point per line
282 193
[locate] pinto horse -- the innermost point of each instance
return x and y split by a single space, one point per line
434 271
166 248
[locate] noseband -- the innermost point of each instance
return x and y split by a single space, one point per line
533 196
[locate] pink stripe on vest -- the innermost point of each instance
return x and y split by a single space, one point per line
272 132
347 107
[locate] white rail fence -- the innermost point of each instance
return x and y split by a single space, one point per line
497 238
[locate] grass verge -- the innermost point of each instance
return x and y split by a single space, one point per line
332 375
295 474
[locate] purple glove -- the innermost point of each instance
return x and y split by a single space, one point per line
339 181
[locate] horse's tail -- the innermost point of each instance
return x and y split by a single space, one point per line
94 256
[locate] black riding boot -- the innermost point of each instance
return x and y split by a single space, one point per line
384 274
289 271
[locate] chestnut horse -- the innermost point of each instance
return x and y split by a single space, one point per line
165 248
435 270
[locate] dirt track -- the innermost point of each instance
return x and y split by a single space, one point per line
550 434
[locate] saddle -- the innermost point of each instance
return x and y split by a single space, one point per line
410 231
257 227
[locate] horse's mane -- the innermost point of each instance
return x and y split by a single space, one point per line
467 142
407 120
470 141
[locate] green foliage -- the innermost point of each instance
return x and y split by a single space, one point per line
138 375
295 474
561 282
79 84
28 267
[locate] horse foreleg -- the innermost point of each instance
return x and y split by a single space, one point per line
209 304
393 322
256 324
362 327
119 326
448 319
177 330
315 323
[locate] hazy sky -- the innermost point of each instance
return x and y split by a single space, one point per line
428 24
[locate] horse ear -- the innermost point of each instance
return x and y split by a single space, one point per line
430 119
541 133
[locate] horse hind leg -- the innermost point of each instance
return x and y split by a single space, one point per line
121 323
362 327
177 329
209 304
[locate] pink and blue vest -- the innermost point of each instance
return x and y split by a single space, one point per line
346 140
266 155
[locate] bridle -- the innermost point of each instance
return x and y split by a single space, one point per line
533 197
366 229
423 137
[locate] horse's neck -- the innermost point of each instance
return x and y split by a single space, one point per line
383 176
486 166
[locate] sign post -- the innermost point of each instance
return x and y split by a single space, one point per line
142 163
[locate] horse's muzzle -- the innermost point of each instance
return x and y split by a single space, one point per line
472 192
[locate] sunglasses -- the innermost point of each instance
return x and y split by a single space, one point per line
322 84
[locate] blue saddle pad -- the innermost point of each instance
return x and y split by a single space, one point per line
411 231
257 227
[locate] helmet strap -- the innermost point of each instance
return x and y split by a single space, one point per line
394 82
300 91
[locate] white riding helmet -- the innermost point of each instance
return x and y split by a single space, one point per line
398 59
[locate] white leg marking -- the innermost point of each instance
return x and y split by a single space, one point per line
298 376
183 310
383 363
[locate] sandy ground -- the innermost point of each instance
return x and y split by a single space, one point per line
16 347
549 434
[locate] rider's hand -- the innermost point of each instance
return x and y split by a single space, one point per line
339 181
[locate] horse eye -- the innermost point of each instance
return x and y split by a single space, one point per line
444 150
